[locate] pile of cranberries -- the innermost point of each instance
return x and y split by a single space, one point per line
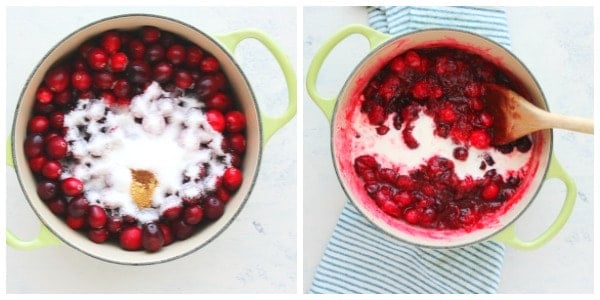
447 85
114 67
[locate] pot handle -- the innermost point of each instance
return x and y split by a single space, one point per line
509 235
270 124
44 237
327 105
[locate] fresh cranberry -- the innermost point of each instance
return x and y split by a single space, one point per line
162 72
209 64
219 101
237 143
57 120
108 97
37 163
167 235
150 34
216 120
103 81
57 147
223 195
111 41
38 124
213 208
75 222
52 169
34 145
57 206
235 121
181 229
232 178
137 49
118 62
486 119
57 79
460 153
97 58
131 238
139 71
98 235
193 56
176 54
447 115
47 189
209 85
152 237
121 88
480 139
63 98
44 95
172 213
183 79
71 186
193 214
78 206
114 223
155 53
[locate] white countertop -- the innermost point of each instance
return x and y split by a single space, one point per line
257 253
556 44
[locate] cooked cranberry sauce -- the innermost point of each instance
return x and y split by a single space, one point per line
446 85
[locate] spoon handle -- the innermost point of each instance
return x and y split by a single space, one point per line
571 123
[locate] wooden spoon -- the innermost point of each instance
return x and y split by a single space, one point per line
515 117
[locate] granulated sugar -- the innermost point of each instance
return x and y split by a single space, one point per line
169 137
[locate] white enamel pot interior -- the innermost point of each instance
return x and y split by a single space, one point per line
348 101
109 251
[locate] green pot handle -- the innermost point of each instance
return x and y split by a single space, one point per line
509 236
44 237
327 105
270 124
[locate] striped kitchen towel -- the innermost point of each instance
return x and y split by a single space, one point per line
359 258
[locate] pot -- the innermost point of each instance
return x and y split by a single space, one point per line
260 128
383 48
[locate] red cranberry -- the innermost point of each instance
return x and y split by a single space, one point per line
57 120
155 53
131 238
118 62
167 235
139 71
447 115
420 90
390 208
162 72
108 98
98 235
56 147
97 59
193 214
103 81
473 90
480 139
176 54
413 59
232 178
209 64
34 145
52 169
486 119
209 85
121 88
114 223
75 222
183 79
46 189
57 79
219 101
81 80
403 199
63 98
193 56
237 143
490 191
181 229
223 195
377 115
137 49
57 206
152 237
150 34
72 186
111 41
37 163
235 121
78 206
38 124
172 213
44 95
412 216
216 120
167 39
523 144
213 208
397 65
460 153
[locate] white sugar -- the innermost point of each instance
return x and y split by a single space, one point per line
108 144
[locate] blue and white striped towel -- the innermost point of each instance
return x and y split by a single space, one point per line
362 259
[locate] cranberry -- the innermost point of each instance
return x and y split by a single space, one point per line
108 97
131 238
98 235
216 120
57 206
193 214
78 206
44 95
390 208
46 189
232 178
397 65
172 213
114 224
403 199
420 90
235 121
155 53
118 62
162 72
193 56
176 54
63 98
150 34
56 147
523 144
480 139
209 64
57 79
213 208
75 222
71 186
377 115
34 145
137 49
460 153
219 101
103 81
412 216
183 79
486 119
181 229
121 88
38 124
208 85
152 237
167 235
57 120
223 195
37 163
382 130
447 115
111 41
52 169
139 71
237 143
473 90
97 59
490 191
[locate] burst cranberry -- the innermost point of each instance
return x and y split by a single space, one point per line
390 208
397 65
216 120
75 222
97 59
413 59
193 56
139 71
162 72
480 139
57 206
403 199
152 237
235 121
52 169
219 101
71 186
473 90
490 191
131 238
176 54
172 213
412 216
57 79
37 163
167 235
183 79
377 115
209 64
193 214
460 153
476 104
56 147
213 208
78 206
389 87
181 229
118 62
47 189
111 41
44 95
447 115
420 90
232 178
38 124
150 34
98 235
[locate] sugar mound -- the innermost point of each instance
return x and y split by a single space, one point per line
168 136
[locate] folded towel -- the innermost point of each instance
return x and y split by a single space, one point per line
359 258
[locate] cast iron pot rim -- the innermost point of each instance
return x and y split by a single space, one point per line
254 106
347 84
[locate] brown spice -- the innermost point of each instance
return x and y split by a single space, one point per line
142 187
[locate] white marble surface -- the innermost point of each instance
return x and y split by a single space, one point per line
556 44
256 254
